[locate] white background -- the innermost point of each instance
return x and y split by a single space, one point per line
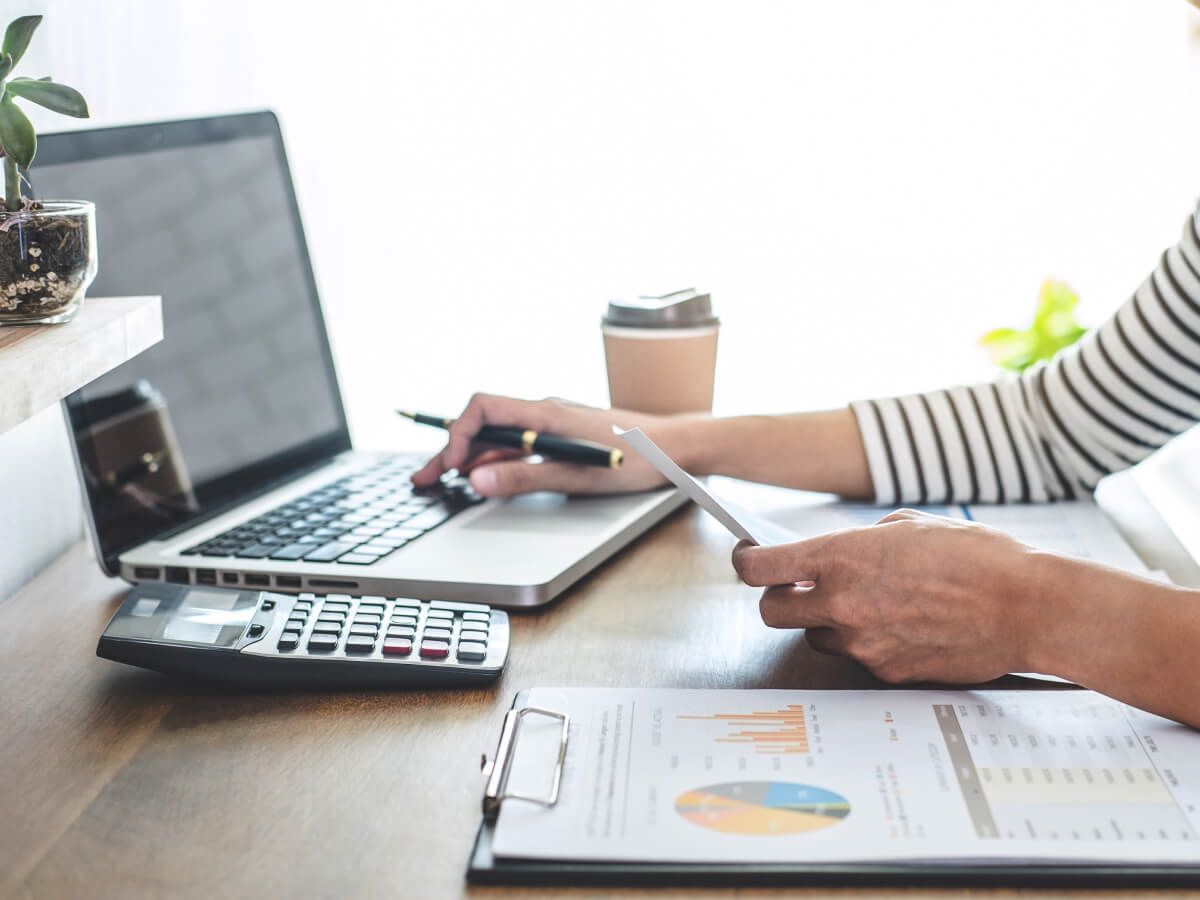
864 187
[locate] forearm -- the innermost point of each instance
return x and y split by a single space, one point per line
1127 637
816 451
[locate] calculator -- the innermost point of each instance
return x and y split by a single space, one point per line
259 638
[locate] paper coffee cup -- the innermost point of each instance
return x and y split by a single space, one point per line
661 352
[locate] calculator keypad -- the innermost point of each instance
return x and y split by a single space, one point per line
385 628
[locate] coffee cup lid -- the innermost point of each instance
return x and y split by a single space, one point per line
687 308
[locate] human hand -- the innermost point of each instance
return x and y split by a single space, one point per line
914 598
495 472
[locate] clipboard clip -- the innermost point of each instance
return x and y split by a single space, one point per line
497 790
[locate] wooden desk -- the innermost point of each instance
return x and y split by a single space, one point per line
118 783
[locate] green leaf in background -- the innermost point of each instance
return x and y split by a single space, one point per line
6 64
17 36
17 136
56 97
1054 327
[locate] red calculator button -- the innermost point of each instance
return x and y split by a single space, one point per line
434 649
397 647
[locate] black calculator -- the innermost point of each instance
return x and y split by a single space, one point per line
259 638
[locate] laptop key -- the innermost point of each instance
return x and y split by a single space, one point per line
430 518
291 551
331 551
258 551
357 559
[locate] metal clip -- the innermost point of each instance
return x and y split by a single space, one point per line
497 785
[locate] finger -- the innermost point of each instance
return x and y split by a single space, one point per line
826 640
486 457
788 563
899 515
488 409
790 606
432 470
506 479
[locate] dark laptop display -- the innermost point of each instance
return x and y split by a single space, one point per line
241 393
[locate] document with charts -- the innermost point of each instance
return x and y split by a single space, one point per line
854 776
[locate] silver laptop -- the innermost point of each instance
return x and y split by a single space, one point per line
221 456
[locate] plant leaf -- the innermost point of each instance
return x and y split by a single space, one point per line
1054 327
16 134
6 64
56 97
18 35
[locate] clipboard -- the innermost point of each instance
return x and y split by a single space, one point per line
485 868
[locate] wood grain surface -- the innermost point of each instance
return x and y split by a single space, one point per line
41 364
116 782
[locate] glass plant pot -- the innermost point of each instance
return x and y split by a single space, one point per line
47 261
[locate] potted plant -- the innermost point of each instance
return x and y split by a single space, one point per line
47 247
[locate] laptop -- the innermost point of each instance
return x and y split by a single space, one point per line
221 456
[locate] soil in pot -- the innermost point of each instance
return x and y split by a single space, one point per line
43 265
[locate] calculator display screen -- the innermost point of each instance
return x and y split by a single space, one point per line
202 615
196 616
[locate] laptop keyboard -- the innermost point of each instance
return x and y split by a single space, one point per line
357 520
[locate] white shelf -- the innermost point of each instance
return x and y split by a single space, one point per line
41 364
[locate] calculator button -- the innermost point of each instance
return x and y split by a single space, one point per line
401 602
460 607
332 617
372 630
445 614
401 631
268 605
302 606
289 640
434 649
471 651
371 607
467 634
477 617
256 630
367 619
397 646
404 620
297 624
336 604
322 642
327 628
436 634
358 643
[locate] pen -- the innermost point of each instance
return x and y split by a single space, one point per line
572 450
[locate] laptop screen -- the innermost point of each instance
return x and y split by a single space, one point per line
241 392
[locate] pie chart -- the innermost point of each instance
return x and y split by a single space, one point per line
762 807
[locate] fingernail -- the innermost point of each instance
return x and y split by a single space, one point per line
483 480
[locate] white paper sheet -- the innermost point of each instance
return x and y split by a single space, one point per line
824 776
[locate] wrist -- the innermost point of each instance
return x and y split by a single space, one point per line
1051 618
691 440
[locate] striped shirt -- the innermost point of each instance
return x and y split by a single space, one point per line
1055 430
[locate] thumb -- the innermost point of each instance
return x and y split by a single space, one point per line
504 479
800 561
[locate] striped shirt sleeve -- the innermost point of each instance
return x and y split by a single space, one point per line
1052 432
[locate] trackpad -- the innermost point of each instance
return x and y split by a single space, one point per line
549 513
